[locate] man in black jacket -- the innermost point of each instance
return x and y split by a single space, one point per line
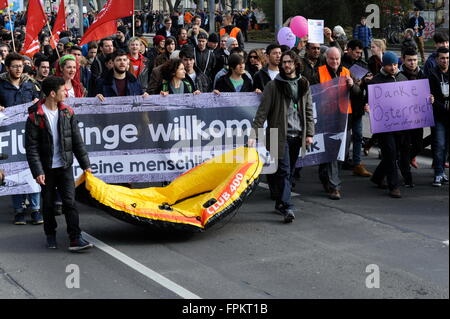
286 105
271 70
52 137
205 58
439 79
352 57
197 78
410 68
394 145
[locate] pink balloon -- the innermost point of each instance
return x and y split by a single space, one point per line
299 26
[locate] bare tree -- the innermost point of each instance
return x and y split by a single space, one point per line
173 7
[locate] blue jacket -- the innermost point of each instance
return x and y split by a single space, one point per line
430 64
106 85
363 34
10 95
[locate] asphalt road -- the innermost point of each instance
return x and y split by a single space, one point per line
324 253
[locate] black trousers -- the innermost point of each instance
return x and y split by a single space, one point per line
63 180
395 148
416 142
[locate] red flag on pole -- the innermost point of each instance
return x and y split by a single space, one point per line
3 4
36 20
102 26
60 24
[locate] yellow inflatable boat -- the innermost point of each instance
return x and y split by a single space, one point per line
194 201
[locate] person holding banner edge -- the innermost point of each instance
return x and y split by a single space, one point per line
287 106
329 172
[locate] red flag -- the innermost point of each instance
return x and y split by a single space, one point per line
3 4
60 24
113 10
36 20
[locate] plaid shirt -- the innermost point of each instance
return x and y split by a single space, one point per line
363 34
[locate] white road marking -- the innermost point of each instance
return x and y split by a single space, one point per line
151 274
445 243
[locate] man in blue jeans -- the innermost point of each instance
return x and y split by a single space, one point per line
17 88
439 79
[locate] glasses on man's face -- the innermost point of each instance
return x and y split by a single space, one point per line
288 62
16 67
314 48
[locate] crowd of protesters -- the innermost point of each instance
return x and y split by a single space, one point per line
184 58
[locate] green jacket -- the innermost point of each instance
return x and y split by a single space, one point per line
274 108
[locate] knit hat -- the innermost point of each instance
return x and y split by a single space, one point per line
230 41
214 38
64 40
122 29
390 58
157 39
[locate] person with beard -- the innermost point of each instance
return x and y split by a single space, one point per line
286 105
121 41
410 68
17 88
118 81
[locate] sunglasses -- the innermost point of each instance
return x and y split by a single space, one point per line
252 57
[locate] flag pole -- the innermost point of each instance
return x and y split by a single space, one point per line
53 39
133 23
12 29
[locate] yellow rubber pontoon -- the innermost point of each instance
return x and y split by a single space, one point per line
194 201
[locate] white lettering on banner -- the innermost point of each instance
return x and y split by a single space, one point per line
191 128
16 142
318 145
111 135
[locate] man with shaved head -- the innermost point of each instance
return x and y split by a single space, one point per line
329 172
